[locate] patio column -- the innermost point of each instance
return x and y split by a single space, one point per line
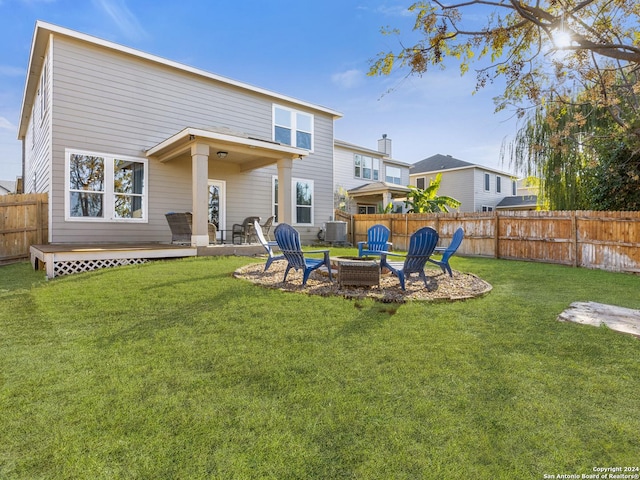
284 190
386 199
200 191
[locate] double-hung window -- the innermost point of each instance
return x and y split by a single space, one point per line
393 175
302 200
105 187
291 127
366 167
487 185
498 184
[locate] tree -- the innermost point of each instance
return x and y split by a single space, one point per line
579 167
427 200
545 50
553 147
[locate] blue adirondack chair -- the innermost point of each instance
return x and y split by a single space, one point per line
268 245
377 241
288 240
421 245
448 252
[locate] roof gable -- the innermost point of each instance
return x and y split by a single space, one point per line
438 162
44 31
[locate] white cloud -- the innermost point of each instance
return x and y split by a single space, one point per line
348 79
124 19
6 124
389 11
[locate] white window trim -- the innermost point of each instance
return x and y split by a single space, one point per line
498 184
44 80
294 205
375 167
294 181
294 126
399 177
487 188
108 211
487 208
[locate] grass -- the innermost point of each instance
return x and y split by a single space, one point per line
175 369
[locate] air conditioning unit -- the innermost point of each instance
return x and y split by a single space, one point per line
336 232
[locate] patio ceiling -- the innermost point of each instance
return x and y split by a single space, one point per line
240 148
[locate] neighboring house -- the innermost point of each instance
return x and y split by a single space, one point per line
7 187
366 179
118 138
479 188
525 198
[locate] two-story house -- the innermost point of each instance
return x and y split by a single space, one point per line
118 137
478 188
366 180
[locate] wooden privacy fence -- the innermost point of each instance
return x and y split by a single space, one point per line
23 222
602 240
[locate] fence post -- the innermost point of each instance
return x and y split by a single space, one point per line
574 237
497 233
39 221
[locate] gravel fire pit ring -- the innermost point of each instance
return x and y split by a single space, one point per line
462 286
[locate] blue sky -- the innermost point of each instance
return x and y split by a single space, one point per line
317 51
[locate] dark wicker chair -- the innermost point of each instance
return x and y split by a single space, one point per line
244 231
180 225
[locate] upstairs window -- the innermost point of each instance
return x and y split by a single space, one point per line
365 167
420 183
291 127
393 175
514 188
487 185
498 184
105 187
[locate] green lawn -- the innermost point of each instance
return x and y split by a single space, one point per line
175 369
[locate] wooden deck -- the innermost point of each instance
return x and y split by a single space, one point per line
65 259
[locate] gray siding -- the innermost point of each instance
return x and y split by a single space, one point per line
490 198
344 169
110 102
38 138
458 184
467 186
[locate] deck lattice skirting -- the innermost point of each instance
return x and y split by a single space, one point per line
60 260
80 266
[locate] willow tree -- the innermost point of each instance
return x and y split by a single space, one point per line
552 145
580 162
545 50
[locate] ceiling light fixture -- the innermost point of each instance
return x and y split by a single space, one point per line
222 154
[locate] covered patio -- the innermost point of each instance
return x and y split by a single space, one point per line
229 146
